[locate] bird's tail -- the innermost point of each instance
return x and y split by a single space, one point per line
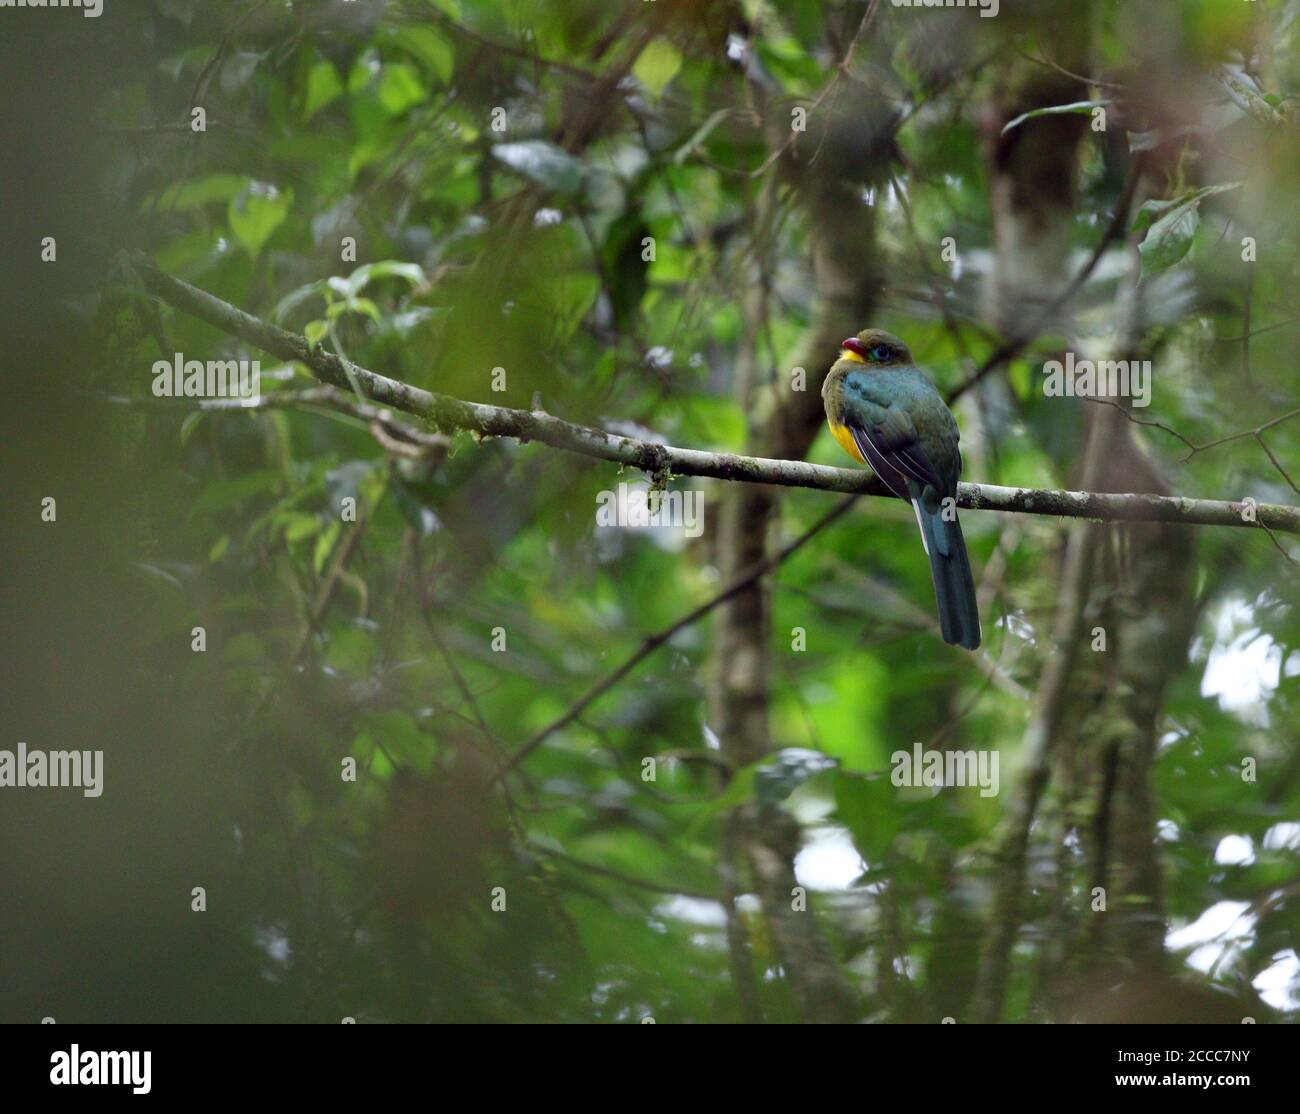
954 588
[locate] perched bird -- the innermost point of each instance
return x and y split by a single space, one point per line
885 412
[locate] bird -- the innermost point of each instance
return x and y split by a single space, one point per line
886 413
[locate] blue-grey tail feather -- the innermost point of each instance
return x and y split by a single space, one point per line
954 587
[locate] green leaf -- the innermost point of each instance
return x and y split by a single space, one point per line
325 545
1153 210
364 69
384 268
544 163
430 47
323 86
572 295
657 65
1170 237
200 191
225 494
786 770
299 525
256 213
362 306
351 650
400 88
868 807
1078 108
793 67
845 708
196 251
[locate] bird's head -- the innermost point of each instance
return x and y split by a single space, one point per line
876 348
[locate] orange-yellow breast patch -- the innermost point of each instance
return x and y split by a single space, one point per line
845 438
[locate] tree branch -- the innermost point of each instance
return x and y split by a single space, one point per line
657 459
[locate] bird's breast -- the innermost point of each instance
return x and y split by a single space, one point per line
845 438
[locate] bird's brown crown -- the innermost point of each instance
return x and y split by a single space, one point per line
876 348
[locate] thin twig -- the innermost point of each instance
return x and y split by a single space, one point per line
1011 347
654 641
841 69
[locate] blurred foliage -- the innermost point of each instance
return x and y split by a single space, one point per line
526 248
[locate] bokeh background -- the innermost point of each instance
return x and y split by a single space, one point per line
651 214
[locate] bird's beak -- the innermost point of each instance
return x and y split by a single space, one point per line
855 346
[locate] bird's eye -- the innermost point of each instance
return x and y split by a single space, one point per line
880 352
